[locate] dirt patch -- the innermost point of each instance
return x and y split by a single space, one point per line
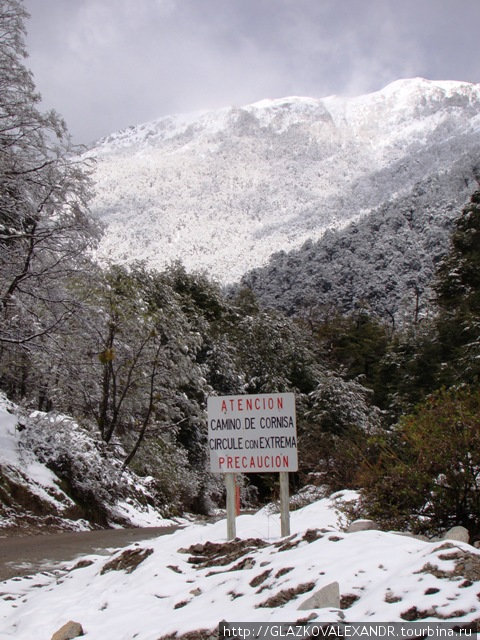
467 565
218 554
311 535
127 561
174 568
16 497
392 598
258 580
81 564
284 596
347 600
288 543
414 613
245 563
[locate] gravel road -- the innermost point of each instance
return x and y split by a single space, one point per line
20 556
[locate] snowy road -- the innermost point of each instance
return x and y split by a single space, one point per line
20 556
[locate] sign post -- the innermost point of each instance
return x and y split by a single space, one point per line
253 434
284 505
231 506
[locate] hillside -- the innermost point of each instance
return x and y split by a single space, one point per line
384 263
224 190
55 475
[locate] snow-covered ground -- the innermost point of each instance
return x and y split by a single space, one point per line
178 583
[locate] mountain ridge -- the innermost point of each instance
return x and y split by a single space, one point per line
222 191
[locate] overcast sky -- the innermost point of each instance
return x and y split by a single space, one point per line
107 64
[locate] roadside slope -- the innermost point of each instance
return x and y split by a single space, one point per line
56 475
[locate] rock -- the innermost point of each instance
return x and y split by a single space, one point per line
362 525
327 597
460 534
68 631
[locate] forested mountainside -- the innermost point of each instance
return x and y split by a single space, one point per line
384 263
224 190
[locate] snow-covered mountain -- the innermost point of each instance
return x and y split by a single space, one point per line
223 190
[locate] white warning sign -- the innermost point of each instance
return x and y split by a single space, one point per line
252 433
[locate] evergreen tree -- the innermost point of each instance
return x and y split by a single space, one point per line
334 423
444 350
458 297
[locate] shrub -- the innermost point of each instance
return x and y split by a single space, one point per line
427 471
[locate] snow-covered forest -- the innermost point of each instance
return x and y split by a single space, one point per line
131 353
106 368
226 189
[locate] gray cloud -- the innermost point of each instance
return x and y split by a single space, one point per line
106 64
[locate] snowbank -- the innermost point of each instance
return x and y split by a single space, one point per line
193 579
